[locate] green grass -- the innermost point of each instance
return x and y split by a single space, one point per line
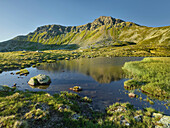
132 84
154 72
38 109
23 59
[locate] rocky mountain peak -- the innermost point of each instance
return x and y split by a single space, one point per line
58 29
107 20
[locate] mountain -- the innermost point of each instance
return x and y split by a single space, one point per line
103 31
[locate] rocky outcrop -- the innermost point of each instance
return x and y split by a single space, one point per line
39 80
164 122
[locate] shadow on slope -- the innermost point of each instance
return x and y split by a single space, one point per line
13 45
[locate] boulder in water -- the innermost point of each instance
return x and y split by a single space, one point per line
39 80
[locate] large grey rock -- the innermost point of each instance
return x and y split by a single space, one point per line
39 80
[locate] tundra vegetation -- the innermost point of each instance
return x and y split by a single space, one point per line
39 109
151 75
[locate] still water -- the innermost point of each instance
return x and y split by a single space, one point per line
101 79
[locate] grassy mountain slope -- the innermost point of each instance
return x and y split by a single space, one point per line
104 31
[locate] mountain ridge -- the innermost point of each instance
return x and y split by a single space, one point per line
103 31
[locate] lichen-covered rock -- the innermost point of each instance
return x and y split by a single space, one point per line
157 115
39 80
165 121
76 88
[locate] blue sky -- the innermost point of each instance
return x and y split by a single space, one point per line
19 17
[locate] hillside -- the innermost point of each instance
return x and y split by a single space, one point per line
104 31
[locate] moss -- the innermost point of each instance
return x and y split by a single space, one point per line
22 72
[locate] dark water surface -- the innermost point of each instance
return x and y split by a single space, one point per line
101 79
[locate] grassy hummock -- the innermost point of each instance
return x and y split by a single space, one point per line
132 84
154 72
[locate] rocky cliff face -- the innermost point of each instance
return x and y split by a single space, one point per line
103 31
59 29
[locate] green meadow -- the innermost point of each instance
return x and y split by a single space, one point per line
151 75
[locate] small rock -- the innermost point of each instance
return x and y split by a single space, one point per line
138 118
132 95
48 94
127 124
120 109
124 122
15 85
76 88
12 73
61 108
122 118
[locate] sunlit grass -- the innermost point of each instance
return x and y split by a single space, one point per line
154 72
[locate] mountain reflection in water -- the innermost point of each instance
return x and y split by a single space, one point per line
103 70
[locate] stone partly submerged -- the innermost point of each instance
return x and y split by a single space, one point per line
132 95
76 88
39 80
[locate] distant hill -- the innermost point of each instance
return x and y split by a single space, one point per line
103 31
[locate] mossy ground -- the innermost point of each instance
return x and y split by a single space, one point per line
40 109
